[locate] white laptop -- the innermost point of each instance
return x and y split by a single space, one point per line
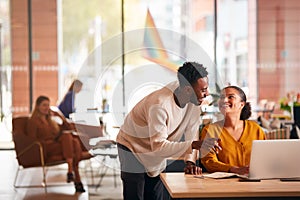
272 159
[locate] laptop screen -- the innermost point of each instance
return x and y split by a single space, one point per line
275 159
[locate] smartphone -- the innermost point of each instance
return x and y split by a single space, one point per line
248 180
290 179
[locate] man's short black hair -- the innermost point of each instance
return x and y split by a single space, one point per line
190 72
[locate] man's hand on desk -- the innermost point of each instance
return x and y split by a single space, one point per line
209 144
191 168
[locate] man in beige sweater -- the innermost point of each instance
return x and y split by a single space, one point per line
153 132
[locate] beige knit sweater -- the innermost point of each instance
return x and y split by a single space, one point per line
154 128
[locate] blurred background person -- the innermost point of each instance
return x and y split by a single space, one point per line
66 106
56 138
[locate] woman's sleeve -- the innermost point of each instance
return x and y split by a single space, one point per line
66 125
209 159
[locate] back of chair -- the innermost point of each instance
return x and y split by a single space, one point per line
31 156
20 125
28 150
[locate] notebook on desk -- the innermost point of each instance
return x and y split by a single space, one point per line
272 159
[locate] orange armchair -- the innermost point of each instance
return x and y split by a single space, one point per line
31 153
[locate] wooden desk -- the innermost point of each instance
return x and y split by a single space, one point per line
184 186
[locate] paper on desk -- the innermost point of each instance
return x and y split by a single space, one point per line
218 175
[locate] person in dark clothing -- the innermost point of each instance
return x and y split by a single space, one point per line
66 106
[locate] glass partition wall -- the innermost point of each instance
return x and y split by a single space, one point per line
124 49
5 72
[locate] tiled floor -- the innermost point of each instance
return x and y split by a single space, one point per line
56 175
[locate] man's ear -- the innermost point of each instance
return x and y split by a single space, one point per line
188 89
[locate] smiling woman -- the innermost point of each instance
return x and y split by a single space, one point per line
234 98
234 133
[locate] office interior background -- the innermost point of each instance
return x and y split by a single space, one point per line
45 44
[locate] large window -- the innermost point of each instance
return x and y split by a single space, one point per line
124 49
123 52
232 41
5 72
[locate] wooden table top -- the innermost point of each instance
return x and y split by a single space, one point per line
181 185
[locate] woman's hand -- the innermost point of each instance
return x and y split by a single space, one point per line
239 170
191 168
54 113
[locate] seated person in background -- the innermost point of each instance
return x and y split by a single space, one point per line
235 132
66 106
55 138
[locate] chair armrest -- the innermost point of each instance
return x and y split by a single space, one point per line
30 152
28 148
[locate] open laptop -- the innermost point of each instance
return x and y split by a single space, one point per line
271 159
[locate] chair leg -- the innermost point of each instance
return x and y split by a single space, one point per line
102 172
16 177
91 170
104 169
115 174
44 183
115 177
